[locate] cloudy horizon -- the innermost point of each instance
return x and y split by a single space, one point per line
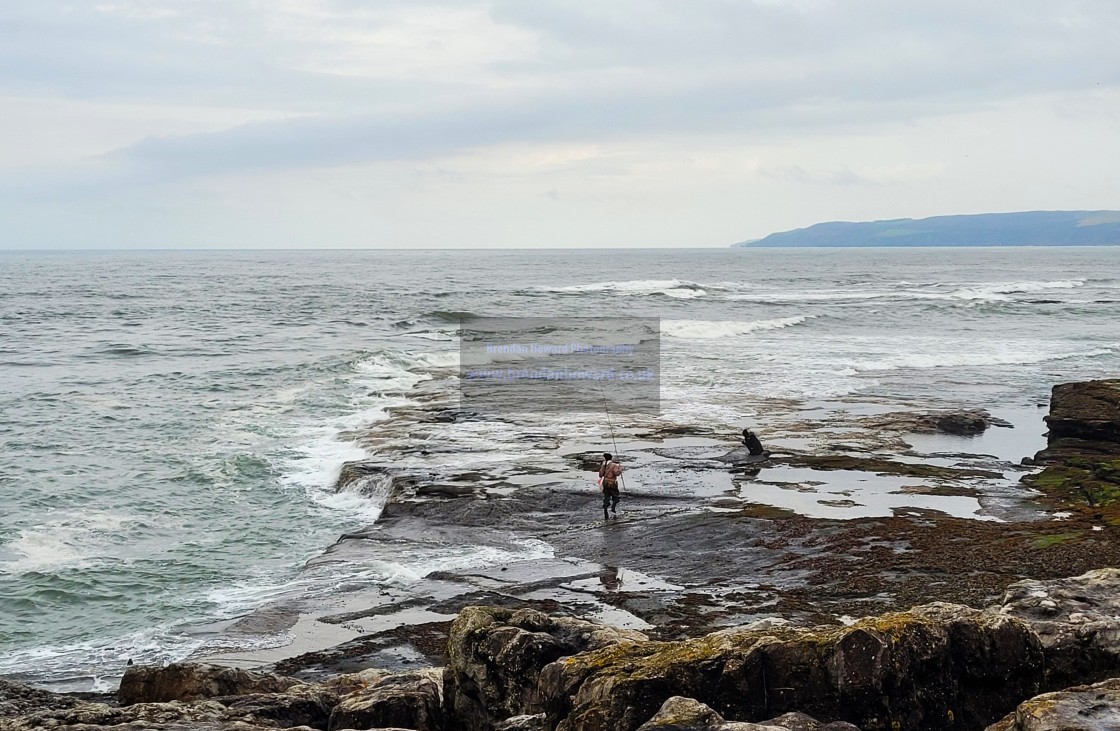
460 123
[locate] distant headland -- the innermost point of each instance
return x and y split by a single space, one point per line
1029 228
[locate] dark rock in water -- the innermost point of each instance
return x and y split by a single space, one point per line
883 466
1082 455
446 490
450 416
962 424
409 700
375 479
687 714
1084 420
968 422
1081 708
938 666
189 682
1089 411
590 461
495 656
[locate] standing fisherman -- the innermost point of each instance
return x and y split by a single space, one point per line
609 473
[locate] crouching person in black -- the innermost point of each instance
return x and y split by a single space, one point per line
753 444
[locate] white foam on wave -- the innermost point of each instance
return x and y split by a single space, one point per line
707 329
410 564
1026 287
1000 355
442 359
418 560
968 293
438 334
991 291
670 287
72 540
89 665
824 295
381 381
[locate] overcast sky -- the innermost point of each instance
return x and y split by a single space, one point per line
542 123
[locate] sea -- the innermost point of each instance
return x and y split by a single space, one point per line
173 423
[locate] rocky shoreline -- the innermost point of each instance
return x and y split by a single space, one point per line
726 596
1045 658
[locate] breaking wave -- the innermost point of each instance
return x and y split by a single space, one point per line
675 288
705 329
960 292
959 359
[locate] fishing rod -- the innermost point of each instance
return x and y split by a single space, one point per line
610 426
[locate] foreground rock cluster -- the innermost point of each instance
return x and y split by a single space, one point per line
1048 657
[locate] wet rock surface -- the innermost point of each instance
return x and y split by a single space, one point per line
190 682
1082 454
934 667
370 699
1085 415
410 700
17 699
495 657
1077 620
1083 708
688 714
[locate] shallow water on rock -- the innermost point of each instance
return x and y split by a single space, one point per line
849 494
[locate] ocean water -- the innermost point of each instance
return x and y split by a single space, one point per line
172 423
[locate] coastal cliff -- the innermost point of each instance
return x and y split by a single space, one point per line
1028 228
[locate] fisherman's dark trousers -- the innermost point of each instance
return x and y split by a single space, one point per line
610 499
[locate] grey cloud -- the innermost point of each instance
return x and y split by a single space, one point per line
73 50
603 70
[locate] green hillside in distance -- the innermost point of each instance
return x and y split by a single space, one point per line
1030 228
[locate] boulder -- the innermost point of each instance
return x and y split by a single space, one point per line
687 714
534 722
348 683
1082 708
374 479
495 656
177 715
1082 456
408 700
300 705
194 681
938 666
17 699
965 424
588 461
1084 419
1077 620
